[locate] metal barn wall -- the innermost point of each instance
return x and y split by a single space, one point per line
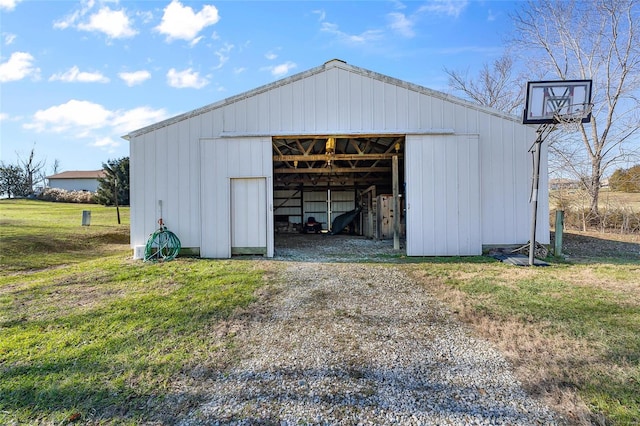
443 197
343 101
164 166
335 98
221 160
506 173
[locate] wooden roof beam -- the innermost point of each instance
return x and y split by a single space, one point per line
330 170
335 157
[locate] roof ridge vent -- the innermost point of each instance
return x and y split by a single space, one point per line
335 60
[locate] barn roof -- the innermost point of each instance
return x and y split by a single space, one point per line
334 63
79 174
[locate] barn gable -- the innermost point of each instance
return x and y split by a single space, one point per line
189 162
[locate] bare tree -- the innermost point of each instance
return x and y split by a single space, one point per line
33 171
598 40
55 167
495 86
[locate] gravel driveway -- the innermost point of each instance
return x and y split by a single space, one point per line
353 343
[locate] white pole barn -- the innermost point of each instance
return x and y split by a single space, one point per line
316 144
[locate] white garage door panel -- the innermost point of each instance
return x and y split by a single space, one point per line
443 195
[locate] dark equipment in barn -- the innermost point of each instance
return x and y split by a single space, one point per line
342 221
312 226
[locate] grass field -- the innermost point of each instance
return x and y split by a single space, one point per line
568 329
607 199
88 335
620 199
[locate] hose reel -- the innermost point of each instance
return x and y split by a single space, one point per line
163 245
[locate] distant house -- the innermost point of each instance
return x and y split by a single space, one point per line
563 183
78 180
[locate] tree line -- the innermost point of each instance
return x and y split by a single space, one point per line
626 180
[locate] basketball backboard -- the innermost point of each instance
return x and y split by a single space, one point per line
551 102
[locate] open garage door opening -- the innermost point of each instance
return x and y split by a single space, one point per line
333 185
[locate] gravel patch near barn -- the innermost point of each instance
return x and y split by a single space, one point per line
355 343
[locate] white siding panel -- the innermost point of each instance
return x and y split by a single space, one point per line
286 108
321 103
390 107
354 103
222 160
402 108
443 198
333 98
413 110
309 105
367 117
378 105
506 183
297 105
136 187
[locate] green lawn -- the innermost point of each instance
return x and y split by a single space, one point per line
38 234
565 327
86 333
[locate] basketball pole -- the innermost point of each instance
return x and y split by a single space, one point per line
543 131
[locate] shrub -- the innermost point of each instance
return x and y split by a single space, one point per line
63 196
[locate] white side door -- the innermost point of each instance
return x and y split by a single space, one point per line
248 216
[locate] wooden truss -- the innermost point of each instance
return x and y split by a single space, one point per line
335 160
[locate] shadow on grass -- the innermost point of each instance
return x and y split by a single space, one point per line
590 249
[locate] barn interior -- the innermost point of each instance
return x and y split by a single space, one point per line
339 184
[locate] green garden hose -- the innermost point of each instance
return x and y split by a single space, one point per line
163 245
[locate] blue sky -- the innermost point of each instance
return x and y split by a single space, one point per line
77 75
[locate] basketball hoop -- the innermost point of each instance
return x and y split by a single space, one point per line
571 121
549 103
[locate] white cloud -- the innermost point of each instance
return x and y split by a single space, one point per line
84 119
182 23
136 77
321 14
113 23
401 24
137 118
8 5
282 69
106 143
354 39
186 79
223 55
270 55
239 70
81 116
19 66
74 75
9 38
445 7
491 16
4 116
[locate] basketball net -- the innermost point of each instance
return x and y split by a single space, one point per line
570 122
